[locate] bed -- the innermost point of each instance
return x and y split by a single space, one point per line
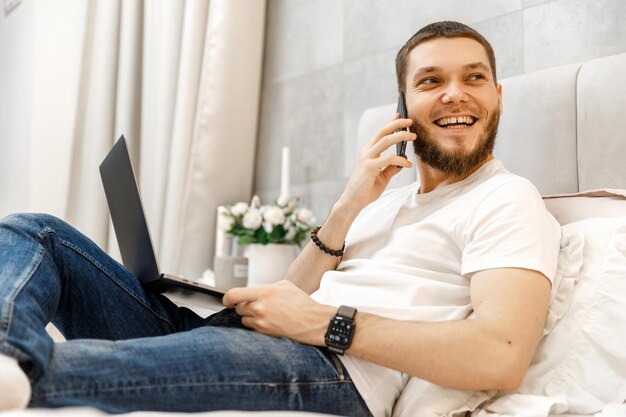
560 129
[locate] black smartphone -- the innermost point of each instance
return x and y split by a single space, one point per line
401 109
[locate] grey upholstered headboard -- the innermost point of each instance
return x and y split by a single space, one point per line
560 127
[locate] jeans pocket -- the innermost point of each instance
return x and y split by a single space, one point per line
227 317
336 363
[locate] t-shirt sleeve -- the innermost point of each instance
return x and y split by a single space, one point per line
511 228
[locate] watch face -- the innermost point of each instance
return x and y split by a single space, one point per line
340 332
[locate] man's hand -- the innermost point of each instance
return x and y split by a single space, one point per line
281 310
369 179
372 172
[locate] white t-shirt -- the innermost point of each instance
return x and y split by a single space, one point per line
409 256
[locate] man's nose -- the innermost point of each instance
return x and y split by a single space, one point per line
454 93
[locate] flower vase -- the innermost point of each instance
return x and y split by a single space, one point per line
268 263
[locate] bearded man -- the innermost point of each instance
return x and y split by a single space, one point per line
405 302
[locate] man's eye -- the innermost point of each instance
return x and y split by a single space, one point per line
427 81
476 77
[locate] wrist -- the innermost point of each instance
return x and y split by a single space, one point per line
347 208
341 216
341 330
322 316
335 228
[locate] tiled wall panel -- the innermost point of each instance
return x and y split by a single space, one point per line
561 32
302 36
328 60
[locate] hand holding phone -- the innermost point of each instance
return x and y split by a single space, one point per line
401 109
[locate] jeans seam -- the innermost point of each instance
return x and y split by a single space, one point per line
6 321
11 351
48 230
170 384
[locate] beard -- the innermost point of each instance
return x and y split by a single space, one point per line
457 162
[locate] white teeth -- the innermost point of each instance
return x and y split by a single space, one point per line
454 120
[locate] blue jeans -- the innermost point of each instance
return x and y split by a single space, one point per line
130 348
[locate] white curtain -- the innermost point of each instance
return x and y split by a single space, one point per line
181 80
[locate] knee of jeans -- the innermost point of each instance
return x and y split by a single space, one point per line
30 223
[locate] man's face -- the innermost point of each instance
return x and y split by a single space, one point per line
454 103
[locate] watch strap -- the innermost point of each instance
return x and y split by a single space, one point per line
347 312
336 350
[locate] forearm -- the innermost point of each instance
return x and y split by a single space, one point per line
491 351
465 354
307 269
369 179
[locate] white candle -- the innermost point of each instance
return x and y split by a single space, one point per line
284 173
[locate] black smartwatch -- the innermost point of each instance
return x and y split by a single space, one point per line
340 330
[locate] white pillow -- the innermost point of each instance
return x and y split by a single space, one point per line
580 367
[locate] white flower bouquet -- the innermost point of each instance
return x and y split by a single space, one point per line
282 222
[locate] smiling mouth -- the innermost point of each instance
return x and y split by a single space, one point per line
459 122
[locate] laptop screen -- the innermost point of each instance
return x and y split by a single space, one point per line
127 214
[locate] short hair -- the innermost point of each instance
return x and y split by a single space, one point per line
446 29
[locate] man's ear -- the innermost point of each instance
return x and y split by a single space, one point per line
499 88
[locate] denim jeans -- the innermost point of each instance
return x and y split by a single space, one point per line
130 348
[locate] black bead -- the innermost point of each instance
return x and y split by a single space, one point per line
323 247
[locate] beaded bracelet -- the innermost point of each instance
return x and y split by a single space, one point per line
323 247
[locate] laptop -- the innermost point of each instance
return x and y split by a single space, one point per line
131 228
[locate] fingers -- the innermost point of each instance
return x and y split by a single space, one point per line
387 137
389 128
248 322
390 170
239 295
394 160
244 309
256 324
243 294
253 315
390 140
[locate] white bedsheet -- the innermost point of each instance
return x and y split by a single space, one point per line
91 412
611 410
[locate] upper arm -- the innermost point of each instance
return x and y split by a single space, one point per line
512 304
511 228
